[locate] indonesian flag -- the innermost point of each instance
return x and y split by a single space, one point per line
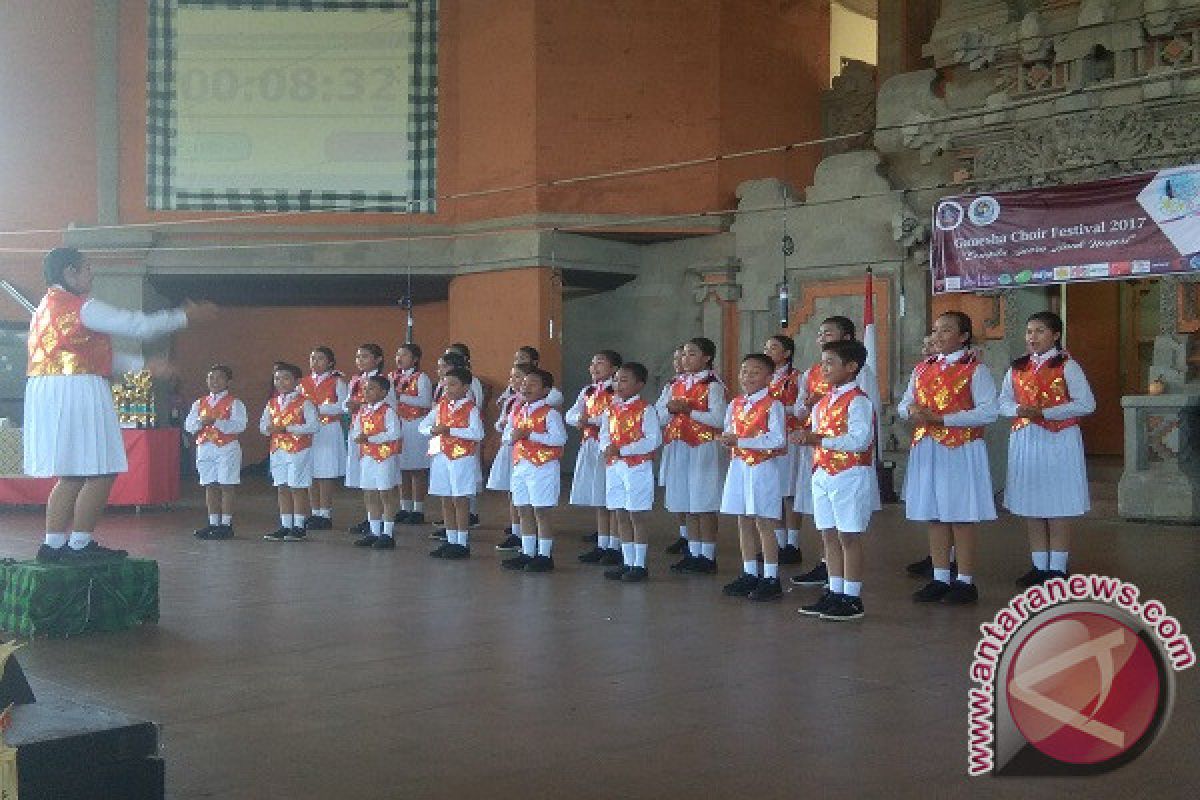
868 336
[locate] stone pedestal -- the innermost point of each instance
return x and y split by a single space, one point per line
1161 481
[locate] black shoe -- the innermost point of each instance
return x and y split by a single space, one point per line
296 535
1051 574
593 556
680 546
220 532
682 564
921 569
590 538
517 562
402 517
416 518
510 543
616 573
361 529
540 564
91 553
741 587
817 576
384 543
767 589
367 541
279 535
701 565
50 555
204 532
635 575
827 601
315 523
1034 577
440 533
790 555
961 594
456 552
612 558
931 592
844 608
440 552
473 521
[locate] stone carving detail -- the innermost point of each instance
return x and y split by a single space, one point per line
1162 438
849 107
908 229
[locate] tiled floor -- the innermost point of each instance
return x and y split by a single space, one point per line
318 670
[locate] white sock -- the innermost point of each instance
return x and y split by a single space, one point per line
376 527
462 538
770 570
852 589
214 519
966 578
327 513
683 531
709 550
406 505
601 541
695 548
545 546
614 543
56 540
79 540
639 554
528 545
418 506
389 526
516 529
1041 560
285 520
1058 560
750 567
942 575
793 537
836 584
627 554
781 536
227 519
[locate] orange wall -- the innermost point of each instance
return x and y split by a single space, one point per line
274 335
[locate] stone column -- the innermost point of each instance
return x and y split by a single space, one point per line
1161 481
718 292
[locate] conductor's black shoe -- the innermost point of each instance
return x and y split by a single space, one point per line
680 546
635 575
931 592
516 562
1034 577
961 594
817 576
767 589
790 554
616 573
50 555
593 556
741 587
384 543
540 564
93 551
702 565
826 602
921 569
611 558
510 543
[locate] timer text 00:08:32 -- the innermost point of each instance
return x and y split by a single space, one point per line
301 84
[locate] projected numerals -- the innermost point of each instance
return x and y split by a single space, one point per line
299 84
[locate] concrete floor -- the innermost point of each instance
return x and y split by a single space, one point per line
319 670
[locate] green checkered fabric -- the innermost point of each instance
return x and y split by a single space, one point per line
57 601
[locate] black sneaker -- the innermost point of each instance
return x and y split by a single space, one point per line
416 518
279 535
635 575
440 534
682 564
384 543
590 538
1051 574
593 556
1034 577
296 535
440 552
767 589
93 551
402 517
50 555
204 532
680 546
702 565
817 576
931 592
456 552
844 608
315 523
220 532
510 543
612 558
473 521
616 573
790 554
517 562
827 601
961 594
741 587
921 569
540 564
360 529
367 541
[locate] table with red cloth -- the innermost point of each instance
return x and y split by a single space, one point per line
152 478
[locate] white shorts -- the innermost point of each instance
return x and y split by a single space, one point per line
453 477
629 488
221 465
842 502
536 486
292 469
753 491
379 476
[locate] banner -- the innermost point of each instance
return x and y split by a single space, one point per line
1133 226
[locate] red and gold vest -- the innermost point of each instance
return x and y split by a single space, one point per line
208 434
946 388
596 402
356 386
835 421
371 423
408 386
291 414
786 389
322 394
453 447
681 426
749 421
60 344
1043 387
527 449
625 428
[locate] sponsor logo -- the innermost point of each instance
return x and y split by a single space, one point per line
983 210
1062 273
1121 268
1043 275
1098 271
953 283
949 215
1140 267
1004 279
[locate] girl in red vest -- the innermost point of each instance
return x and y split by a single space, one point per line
328 391
368 359
500 474
414 397
1045 392
785 387
587 483
216 420
680 545
950 400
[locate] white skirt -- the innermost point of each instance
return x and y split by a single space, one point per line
804 474
71 428
1047 475
414 446
329 451
587 485
378 476
500 475
353 457
948 484
692 477
453 477
789 467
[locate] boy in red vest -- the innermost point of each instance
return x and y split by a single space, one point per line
455 428
629 434
291 420
842 436
216 420
376 433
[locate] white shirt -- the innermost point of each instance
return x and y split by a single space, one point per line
651 430
98 316
775 437
983 395
229 427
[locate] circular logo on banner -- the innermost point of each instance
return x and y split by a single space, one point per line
1084 688
949 215
983 210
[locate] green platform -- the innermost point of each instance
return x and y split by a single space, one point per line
56 601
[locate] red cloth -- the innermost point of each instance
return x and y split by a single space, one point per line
152 479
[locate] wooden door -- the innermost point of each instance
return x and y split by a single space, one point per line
1094 338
